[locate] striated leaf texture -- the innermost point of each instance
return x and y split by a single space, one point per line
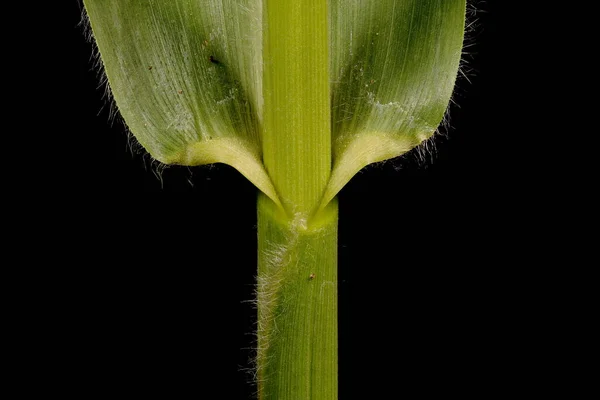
187 77
394 64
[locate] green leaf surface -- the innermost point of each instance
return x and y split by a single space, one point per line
186 76
393 68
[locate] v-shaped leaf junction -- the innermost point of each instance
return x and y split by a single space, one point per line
187 77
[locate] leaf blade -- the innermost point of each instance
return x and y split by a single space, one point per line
185 75
394 66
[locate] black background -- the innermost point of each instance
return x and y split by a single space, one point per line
430 292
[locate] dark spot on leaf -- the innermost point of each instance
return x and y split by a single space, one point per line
213 60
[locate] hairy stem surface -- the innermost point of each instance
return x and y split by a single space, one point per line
297 304
297 274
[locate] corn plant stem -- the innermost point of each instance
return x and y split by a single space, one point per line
297 304
297 273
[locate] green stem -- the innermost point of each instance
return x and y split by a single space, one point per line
297 304
296 130
297 273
